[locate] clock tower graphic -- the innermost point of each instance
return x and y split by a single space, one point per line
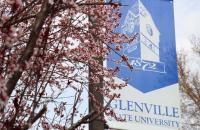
145 53
153 53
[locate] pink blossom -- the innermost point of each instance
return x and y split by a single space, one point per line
51 2
10 1
19 3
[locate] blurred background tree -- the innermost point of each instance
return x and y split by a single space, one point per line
189 79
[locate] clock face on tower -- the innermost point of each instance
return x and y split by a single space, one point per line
149 30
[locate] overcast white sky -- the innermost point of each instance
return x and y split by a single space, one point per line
187 21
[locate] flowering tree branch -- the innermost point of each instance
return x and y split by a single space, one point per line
28 52
46 48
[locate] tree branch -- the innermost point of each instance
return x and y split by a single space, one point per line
102 111
83 120
90 117
36 117
28 52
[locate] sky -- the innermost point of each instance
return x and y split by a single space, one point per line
187 21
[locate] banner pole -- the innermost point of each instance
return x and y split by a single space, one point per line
97 124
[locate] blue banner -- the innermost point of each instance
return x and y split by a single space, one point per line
153 54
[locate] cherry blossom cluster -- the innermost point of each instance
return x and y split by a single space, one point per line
50 47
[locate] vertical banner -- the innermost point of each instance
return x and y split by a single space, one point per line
151 99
